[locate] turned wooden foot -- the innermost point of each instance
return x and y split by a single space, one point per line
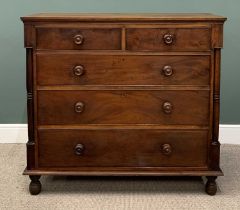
35 185
211 185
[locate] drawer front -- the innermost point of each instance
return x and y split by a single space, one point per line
78 69
162 39
123 107
73 148
79 39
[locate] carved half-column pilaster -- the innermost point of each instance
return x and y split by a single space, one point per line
215 145
30 110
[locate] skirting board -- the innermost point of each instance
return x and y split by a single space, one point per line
17 133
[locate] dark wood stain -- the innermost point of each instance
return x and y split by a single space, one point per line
138 148
123 94
64 39
58 69
123 107
153 39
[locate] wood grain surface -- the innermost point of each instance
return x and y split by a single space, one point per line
58 69
139 148
93 39
152 39
123 107
123 94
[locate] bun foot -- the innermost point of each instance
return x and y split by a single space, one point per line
35 185
211 186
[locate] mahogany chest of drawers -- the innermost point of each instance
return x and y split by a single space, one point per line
123 94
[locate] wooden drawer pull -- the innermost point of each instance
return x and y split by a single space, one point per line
166 149
168 39
167 107
79 107
79 148
167 71
78 39
78 70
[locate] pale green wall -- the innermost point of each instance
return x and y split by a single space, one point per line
12 53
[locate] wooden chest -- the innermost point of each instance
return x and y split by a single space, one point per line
123 94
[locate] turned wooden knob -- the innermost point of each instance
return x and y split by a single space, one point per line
167 71
78 70
167 107
79 107
79 148
166 149
168 39
78 39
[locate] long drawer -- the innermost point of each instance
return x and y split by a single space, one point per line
81 69
76 148
123 107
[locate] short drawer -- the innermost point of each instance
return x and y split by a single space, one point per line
143 148
79 39
123 107
81 69
164 39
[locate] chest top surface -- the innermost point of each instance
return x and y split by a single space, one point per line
123 17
